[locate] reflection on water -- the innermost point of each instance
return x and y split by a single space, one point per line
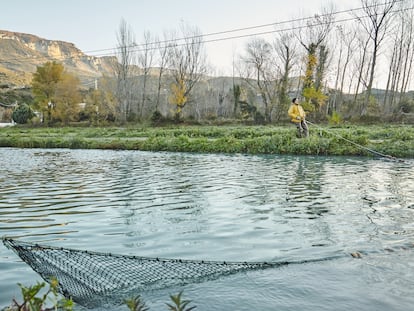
222 207
306 187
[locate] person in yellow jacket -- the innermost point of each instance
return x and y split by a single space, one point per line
298 115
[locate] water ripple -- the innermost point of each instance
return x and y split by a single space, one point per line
212 207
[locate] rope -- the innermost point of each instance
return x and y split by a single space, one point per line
356 144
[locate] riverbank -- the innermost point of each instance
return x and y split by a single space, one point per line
351 140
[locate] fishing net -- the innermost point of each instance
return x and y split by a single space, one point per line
92 279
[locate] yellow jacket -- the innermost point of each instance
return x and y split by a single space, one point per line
296 110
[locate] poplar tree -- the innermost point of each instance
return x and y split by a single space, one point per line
376 26
314 42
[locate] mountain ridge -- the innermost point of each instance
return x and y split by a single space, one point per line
21 53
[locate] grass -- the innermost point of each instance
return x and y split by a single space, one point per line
352 140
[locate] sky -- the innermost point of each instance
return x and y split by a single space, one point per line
92 25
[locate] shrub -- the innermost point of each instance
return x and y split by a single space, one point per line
335 119
22 114
157 118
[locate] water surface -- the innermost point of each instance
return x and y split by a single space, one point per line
222 207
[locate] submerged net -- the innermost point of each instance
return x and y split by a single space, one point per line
92 278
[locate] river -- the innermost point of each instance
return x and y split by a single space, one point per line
227 208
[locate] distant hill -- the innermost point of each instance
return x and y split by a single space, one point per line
20 53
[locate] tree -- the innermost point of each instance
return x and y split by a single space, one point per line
258 72
123 69
347 46
362 62
187 61
162 63
178 97
57 91
401 59
44 85
285 48
376 24
145 61
101 103
66 107
45 81
22 114
236 96
313 40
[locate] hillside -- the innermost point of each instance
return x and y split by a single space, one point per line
20 53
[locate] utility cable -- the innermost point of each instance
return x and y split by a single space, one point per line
302 19
176 42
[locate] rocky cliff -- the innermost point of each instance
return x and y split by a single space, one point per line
20 53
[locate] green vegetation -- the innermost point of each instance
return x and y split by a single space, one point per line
34 300
22 114
392 140
136 304
56 93
178 304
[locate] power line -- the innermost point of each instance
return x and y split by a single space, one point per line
157 43
176 42
243 29
253 34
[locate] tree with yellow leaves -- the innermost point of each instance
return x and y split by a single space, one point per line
67 105
313 39
57 92
178 97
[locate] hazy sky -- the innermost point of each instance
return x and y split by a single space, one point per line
92 24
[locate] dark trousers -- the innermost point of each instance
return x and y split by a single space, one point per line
302 127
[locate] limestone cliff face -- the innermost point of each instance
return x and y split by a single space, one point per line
20 53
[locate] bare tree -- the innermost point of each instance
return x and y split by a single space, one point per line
349 40
362 61
285 48
346 48
266 69
258 72
145 62
123 69
187 61
408 19
401 59
376 24
162 63
394 70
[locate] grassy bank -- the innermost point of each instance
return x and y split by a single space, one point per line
392 140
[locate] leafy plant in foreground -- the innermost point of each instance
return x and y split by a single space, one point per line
33 300
136 304
179 304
